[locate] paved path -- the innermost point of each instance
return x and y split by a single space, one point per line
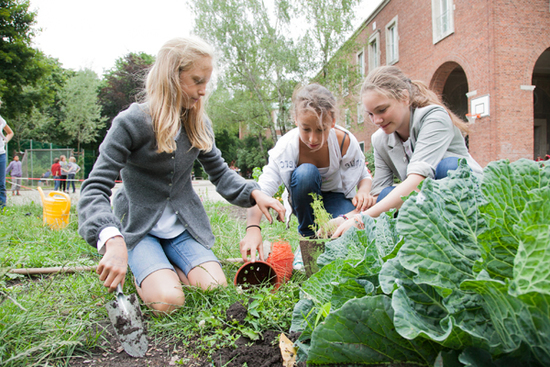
204 188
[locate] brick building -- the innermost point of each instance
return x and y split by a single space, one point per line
490 58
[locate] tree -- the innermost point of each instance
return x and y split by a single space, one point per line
263 58
123 84
259 58
331 21
41 120
254 154
81 111
20 64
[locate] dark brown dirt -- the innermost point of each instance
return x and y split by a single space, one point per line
264 352
236 312
160 353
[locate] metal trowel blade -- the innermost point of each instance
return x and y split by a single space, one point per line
127 319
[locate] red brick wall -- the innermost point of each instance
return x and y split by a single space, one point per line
497 44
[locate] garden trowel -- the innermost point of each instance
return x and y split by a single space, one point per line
126 317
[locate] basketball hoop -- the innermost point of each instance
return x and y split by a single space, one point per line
472 117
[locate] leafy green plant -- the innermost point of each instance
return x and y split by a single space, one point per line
462 273
322 217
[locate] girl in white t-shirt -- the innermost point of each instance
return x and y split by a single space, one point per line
6 133
316 157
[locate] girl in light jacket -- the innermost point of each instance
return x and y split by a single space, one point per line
418 137
159 226
318 157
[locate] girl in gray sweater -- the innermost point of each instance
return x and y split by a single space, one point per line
158 225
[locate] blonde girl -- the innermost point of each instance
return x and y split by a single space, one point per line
159 226
318 157
72 169
418 137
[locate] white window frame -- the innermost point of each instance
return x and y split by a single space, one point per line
374 50
442 19
345 84
360 117
360 60
392 42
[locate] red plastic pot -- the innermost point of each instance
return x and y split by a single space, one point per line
257 273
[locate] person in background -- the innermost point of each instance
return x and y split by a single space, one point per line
158 224
44 177
318 157
56 173
6 133
418 137
15 170
73 169
64 165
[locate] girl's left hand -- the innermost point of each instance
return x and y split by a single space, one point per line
265 202
363 201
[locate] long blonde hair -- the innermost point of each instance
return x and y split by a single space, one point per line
391 82
165 95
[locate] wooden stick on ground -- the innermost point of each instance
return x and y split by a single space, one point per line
52 270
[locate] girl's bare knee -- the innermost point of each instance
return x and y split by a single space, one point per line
168 301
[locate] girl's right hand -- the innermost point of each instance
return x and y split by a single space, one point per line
113 266
330 227
251 243
354 221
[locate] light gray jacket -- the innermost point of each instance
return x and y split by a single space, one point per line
433 137
151 181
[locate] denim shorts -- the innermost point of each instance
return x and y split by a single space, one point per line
154 253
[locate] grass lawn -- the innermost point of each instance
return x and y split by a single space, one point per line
49 320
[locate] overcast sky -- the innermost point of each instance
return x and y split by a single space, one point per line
93 34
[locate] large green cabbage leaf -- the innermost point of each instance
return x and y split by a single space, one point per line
465 267
362 332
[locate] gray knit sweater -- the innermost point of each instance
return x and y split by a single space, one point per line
151 181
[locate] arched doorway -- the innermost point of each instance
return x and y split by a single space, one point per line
541 105
451 83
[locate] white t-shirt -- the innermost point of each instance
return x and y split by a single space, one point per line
3 124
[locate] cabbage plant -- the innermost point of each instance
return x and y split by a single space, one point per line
460 277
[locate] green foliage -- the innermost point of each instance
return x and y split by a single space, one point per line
331 20
229 144
369 160
463 268
122 85
322 217
81 111
20 64
253 154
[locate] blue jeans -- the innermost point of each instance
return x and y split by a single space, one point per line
56 182
441 171
70 181
306 179
153 253
3 158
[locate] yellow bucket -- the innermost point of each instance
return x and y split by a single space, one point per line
57 207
